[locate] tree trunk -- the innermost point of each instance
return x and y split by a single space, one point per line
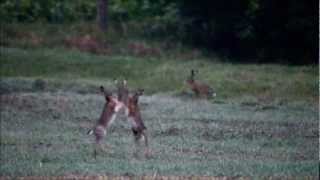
102 14
17 8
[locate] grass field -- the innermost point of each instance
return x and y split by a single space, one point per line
45 134
263 122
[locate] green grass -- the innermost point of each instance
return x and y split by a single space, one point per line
43 127
263 122
44 133
239 82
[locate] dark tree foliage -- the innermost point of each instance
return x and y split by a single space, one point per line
267 30
217 24
102 14
284 31
288 29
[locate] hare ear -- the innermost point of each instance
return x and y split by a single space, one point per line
106 93
192 75
140 92
102 89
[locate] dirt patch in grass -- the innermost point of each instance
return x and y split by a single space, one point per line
31 103
172 131
42 145
213 135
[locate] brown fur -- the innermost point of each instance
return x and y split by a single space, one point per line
138 127
108 114
123 92
112 106
199 88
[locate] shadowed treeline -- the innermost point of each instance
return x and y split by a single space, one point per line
247 31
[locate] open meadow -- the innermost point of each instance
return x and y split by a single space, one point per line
263 122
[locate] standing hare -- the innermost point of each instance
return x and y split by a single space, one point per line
108 115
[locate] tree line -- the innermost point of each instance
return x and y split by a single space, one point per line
283 31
